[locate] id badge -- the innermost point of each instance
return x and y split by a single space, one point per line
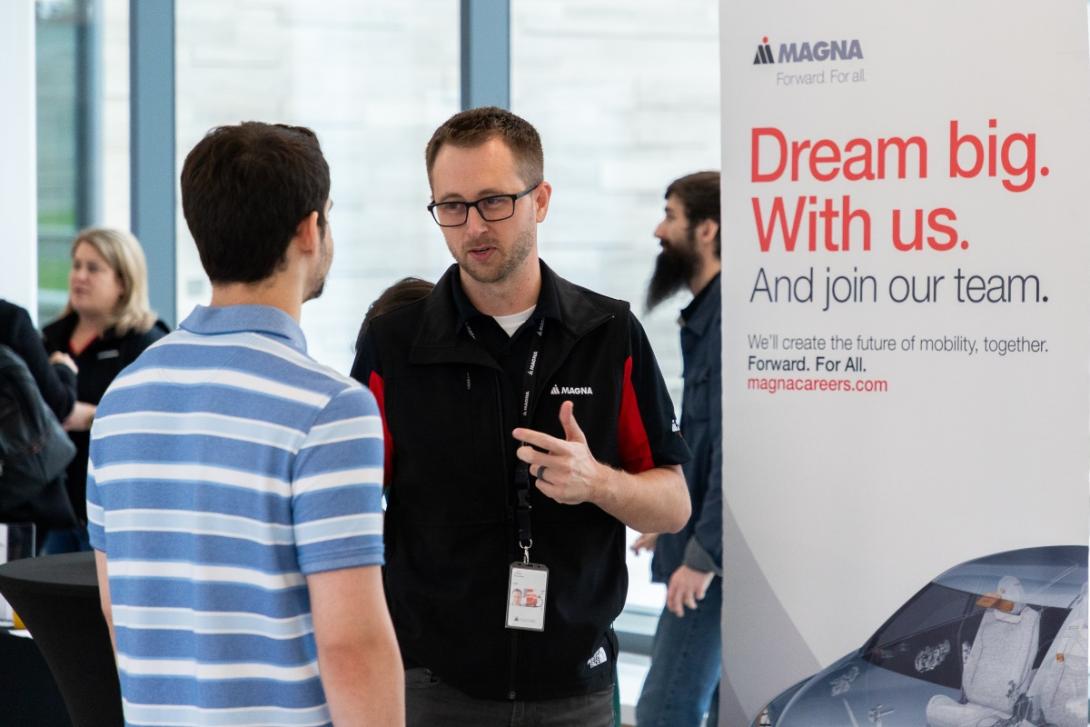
526 590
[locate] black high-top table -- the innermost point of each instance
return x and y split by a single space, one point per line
57 598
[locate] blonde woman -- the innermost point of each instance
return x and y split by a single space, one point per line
106 324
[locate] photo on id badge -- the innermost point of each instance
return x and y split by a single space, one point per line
526 596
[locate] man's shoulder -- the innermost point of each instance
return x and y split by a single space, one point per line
405 319
143 339
249 354
15 324
580 307
392 335
568 289
11 313
57 331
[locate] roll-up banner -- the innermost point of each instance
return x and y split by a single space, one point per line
906 188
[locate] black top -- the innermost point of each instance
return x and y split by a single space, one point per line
99 364
699 544
449 401
510 352
57 382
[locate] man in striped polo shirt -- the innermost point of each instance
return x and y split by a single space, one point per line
234 489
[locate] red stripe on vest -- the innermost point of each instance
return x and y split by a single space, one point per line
632 439
378 388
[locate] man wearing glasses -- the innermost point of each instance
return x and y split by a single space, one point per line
527 424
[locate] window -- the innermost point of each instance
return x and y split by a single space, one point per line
626 97
82 124
930 637
63 175
373 84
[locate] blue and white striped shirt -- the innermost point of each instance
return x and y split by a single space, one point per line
226 465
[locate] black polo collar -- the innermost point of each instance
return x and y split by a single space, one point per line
441 335
548 302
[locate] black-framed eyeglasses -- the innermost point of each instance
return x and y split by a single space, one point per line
493 208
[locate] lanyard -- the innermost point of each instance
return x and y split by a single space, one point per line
522 470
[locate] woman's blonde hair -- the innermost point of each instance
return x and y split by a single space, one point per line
123 254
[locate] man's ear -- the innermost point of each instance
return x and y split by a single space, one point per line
307 234
542 195
706 232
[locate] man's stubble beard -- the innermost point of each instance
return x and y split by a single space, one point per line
317 287
520 251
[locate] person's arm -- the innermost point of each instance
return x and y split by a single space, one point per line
704 551
646 541
56 381
648 492
104 595
705 548
703 557
81 418
83 413
358 657
655 500
367 370
337 521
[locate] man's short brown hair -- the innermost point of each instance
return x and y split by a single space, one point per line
245 189
476 126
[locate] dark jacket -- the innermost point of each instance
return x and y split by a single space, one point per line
699 544
448 407
99 364
57 382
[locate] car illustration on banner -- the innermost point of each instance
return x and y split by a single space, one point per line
999 641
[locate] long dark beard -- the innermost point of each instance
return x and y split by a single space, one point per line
674 268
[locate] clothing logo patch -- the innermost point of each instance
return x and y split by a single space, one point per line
598 659
674 427
112 353
571 390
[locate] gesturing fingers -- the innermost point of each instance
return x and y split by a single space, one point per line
572 473
536 459
539 439
572 432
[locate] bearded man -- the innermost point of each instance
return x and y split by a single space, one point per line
682 684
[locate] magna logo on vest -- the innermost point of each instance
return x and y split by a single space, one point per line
822 50
571 391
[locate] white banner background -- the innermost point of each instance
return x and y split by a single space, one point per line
840 505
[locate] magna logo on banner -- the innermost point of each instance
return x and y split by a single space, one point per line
822 50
